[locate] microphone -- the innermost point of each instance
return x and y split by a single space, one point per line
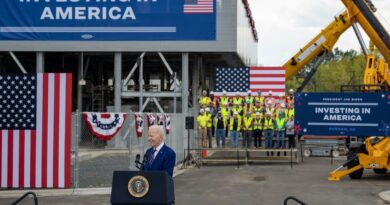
138 164
145 160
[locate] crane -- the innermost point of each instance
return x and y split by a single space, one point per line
374 153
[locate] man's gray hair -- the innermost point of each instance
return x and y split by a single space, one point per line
159 129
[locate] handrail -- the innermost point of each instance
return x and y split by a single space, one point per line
25 195
294 199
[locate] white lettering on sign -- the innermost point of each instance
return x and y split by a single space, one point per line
343 118
88 13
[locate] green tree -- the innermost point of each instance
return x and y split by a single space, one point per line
339 68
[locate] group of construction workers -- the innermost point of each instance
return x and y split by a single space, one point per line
252 117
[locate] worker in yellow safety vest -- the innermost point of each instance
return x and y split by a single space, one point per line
204 101
202 120
257 129
249 102
220 129
258 109
237 100
223 99
209 126
290 113
259 98
238 109
248 124
234 128
269 108
268 127
280 130
281 110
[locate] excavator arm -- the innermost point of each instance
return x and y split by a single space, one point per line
322 43
358 11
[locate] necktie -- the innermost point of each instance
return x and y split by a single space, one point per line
152 157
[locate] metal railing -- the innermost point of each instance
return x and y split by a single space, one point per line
24 196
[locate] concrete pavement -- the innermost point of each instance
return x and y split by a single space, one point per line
258 184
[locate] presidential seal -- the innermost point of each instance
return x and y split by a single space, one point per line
138 186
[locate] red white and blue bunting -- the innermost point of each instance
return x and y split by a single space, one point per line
104 126
167 124
151 119
139 124
160 119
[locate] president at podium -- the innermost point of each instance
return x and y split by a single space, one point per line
159 157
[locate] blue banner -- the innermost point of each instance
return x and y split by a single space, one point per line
108 20
348 114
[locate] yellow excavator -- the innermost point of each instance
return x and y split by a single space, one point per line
374 153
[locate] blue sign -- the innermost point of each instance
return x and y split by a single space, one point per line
108 20
348 114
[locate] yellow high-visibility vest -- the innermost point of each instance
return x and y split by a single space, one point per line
257 124
248 123
202 121
223 100
204 101
268 124
238 123
237 101
209 123
280 124
260 100
291 113
259 110
225 112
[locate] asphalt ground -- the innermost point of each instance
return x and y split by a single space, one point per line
268 183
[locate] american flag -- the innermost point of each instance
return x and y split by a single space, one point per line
35 136
198 6
256 79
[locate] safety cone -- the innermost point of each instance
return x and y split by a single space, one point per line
204 153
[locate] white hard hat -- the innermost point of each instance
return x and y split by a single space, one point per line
224 92
207 109
291 90
257 114
270 92
267 113
249 91
201 111
235 113
211 93
204 91
282 105
269 101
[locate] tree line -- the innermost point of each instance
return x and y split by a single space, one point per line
339 68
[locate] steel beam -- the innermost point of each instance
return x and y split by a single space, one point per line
129 94
158 105
126 81
141 82
40 62
360 39
185 82
118 81
145 104
17 62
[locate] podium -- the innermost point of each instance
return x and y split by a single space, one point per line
142 187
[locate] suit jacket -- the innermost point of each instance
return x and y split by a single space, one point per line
165 160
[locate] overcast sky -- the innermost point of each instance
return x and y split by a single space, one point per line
285 26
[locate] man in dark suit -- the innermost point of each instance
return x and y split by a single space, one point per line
159 157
